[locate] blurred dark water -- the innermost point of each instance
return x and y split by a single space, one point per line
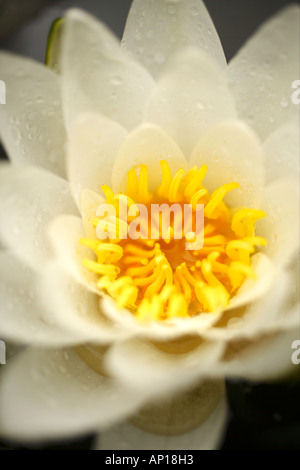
262 416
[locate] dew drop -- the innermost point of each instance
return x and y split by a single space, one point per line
284 103
194 11
66 356
200 105
116 80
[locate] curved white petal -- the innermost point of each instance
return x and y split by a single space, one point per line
148 144
53 394
265 315
155 370
282 151
29 198
190 96
22 316
232 153
156 29
253 289
72 307
167 330
94 142
267 358
31 123
64 234
262 73
90 201
281 226
207 436
97 75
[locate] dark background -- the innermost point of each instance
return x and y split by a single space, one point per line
262 416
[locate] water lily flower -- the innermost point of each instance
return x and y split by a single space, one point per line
145 329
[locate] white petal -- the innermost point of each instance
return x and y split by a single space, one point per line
281 226
282 151
64 234
90 202
167 330
31 124
265 315
156 29
29 198
46 395
148 144
207 436
158 372
262 73
232 153
253 289
190 96
265 359
98 76
69 305
94 143
22 315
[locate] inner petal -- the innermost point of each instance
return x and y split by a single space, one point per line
175 251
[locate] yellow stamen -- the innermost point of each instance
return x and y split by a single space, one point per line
162 279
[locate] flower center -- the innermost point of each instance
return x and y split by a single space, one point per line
155 257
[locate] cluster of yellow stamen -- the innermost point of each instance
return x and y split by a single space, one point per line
159 279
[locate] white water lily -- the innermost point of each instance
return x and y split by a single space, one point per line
165 94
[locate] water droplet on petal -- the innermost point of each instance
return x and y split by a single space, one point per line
284 103
116 80
66 356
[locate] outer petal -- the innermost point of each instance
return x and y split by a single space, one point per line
126 436
46 395
98 76
64 234
268 314
31 123
22 317
74 308
267 358
148 144
263 71
282 151
232 152
29 198
156 29
94 143
162 373
253 289
190 96
281 226
90 202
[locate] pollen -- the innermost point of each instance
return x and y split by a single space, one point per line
158 271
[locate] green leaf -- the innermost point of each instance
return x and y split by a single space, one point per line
53 51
